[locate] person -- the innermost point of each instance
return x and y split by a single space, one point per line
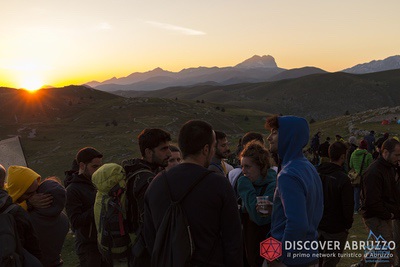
22 185
370 139
359 163
258 179
298 198
222 152
352 147
379 199
155 150
176 157
314 148
210 208
378 145
2 177
323 150
339 138
81 194
337 218
51 224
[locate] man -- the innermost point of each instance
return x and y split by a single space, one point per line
176 157
314 147
337 218
298 198
81 194
155 149
370 138
222 152
210 208
323 150
379 198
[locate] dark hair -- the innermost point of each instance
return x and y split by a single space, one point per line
219 135
252 136
193 136
174 148
336 150
272 122
2 176
152 138
390 144
259 155
87 154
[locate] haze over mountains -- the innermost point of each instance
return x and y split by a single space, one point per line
253 70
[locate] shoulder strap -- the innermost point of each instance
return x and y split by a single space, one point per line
9 208
362 163
193 185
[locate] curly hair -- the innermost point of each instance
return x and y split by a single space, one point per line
258 154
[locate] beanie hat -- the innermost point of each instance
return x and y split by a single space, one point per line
19 180
363 144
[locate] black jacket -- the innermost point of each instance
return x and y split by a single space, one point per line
338 199
323 149
210 208
81 194
378 191
26 233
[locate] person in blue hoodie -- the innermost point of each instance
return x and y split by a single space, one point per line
258 180
298 199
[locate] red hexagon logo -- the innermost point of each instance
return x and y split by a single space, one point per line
270 249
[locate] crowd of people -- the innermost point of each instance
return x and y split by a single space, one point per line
118 212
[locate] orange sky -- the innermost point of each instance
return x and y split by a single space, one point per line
72 42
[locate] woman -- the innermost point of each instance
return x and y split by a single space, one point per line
258 180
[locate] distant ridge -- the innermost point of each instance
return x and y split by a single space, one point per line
389 63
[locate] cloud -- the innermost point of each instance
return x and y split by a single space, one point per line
175 28
104 26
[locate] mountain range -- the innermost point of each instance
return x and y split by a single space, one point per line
253 70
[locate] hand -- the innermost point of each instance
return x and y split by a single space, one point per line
267 207
40 200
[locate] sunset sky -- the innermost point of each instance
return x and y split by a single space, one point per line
60 42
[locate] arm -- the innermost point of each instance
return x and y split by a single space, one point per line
231 228
76 215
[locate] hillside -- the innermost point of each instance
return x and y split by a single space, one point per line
317 96
52 130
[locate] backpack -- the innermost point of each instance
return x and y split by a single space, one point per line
114 232
10 245
174 245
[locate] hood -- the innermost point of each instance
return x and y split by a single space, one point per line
107 176
359 152
19 179
270 177
328 168
5 199
58 192
293 137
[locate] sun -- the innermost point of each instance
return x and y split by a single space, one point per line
31 83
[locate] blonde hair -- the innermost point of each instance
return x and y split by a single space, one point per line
258 154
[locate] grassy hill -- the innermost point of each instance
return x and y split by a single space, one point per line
317 96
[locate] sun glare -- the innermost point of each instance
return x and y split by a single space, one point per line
31 84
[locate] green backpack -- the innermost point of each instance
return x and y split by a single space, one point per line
110 213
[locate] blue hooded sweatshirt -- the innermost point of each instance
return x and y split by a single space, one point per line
298 199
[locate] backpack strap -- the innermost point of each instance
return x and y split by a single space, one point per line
362 163
192 186
10 208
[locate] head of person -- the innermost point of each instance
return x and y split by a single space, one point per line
222 147
386 135
338 137
2 176
52 185
255 160
353 140
328 139
250 136
318 134
363 144
288 136
154 146
391 151
372 132
337 152
176 157
89 160
197 142
22 183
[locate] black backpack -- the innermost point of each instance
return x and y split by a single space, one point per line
10 245
174 245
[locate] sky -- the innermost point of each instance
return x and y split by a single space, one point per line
63 42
